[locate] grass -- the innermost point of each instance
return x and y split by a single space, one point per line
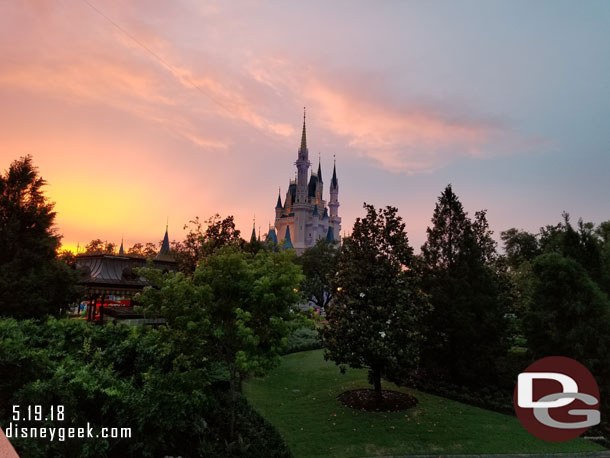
299 398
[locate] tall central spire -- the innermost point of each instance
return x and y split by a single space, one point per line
304 134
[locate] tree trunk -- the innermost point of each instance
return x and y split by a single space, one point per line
232 388
377 382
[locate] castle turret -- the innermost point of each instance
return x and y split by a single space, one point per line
302 164
333 205
278 205
319 184
253 235
287 239
304 216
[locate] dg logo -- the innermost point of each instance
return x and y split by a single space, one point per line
556 399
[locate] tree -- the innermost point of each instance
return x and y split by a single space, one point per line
199 243
319 263
235 304
373 320
468 327
149 250
33 281
603 231
583 244
99 246
519 246
450 236
568 314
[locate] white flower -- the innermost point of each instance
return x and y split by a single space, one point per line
388 322
361 294
382 334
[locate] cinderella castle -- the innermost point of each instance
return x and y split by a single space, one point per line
304 217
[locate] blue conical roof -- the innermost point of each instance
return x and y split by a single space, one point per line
334 183
271 236
287 240
320 171
330 235
325 216
164 252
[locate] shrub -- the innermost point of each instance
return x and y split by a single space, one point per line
302 339
119 376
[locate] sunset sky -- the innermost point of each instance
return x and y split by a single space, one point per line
136 112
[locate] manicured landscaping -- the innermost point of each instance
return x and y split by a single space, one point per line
300 399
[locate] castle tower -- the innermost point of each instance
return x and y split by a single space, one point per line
302 164
278 205
333 205
304 216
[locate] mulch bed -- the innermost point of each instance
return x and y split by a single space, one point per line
367 400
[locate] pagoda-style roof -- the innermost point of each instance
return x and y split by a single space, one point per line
110 274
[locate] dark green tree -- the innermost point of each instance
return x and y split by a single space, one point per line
235 305
148 250
582 243
568 314
374 317
519 246
467 329
33 281
319 264
199 243
99 246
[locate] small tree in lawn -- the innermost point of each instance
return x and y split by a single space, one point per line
319 264
373 320
250 301
233 310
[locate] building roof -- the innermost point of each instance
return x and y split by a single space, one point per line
330 235
271 236
325 216
334 183
287 240
165 253
315 211
293 191
313 181
320 170
279 201
303 134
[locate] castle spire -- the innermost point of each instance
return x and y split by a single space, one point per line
253 236
121 251
320 168
287 239
304 134
279 198
334 183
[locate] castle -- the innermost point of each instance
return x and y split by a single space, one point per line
304 217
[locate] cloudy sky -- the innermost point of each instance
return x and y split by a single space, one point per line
140 111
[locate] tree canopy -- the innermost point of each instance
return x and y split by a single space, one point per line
319 264
467 330
33 281
373 320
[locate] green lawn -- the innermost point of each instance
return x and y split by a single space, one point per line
299 398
